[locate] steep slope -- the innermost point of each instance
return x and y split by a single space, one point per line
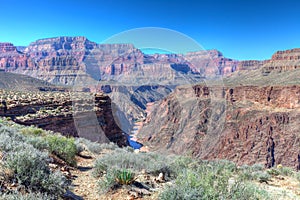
12 81
245 124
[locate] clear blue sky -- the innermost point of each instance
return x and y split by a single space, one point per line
241 29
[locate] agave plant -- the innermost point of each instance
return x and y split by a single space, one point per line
125 177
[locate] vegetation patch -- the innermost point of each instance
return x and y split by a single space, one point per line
24 163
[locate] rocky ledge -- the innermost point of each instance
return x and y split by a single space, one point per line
77 114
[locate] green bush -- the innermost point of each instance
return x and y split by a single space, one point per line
63 147
31 130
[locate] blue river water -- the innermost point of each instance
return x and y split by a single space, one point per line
134 144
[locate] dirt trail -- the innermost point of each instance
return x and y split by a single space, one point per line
84 184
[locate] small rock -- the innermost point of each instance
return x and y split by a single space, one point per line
51 165
279 177
65 169
131 197
160 178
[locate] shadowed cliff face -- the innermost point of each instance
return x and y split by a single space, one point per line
245 124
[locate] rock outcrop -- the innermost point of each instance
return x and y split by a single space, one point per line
7 47
64 112
280 61
211 63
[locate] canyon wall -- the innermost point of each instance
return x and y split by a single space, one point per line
247 125
62 60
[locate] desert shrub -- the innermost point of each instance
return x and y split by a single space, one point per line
63 147
254 172
261 176
257 167
94 147
224 165
109 146
122 159
246 191
80 147
56 183
273 172
180 193
180 163
28 165
29 196
31 130
120 166
10 138
245 172
38 142
31 170
108 181
286 171
297 175
210 180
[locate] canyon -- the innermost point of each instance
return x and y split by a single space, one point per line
204 104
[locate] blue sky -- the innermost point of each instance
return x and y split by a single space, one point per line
240 29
